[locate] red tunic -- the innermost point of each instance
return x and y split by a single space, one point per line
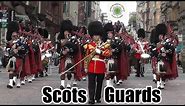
97 65
172 71
46 46
138 47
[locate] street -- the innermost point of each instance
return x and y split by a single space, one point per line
30 94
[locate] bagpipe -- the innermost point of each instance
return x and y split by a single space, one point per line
19 49
82 38
116 47
71 45
89 56
21 46
69 49
165 53
128 40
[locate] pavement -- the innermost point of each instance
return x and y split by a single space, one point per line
30 93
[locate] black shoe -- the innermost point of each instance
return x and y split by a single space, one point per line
160 88
84 79
22 83
36 75
142 75
41 76
18 86
114 82
13 82
137 75
68 87
155 81
98 101
9 86
91 102
46 74
62 87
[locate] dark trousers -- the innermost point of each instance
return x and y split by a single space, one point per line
138 67
95 82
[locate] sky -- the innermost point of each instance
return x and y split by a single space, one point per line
130 6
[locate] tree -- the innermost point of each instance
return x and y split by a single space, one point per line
132 20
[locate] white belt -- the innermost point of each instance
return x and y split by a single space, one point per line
97 59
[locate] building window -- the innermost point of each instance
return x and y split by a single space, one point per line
65 7
88 9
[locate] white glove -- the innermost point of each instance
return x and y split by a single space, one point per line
85 70
98 51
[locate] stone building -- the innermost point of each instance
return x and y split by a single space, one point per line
155 13
46 14
49 14
81 13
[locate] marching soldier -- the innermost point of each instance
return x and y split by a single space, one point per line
124 66
70 54
16 52
164 62
153 53
116 47
84 39
141 47
97 51
46 51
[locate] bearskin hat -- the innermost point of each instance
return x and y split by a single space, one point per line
95 28
45 33
161 29
66 25
75 28
12 27
141 33
153 36
108 27
40 31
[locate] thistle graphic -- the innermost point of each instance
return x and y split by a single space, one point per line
117 10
